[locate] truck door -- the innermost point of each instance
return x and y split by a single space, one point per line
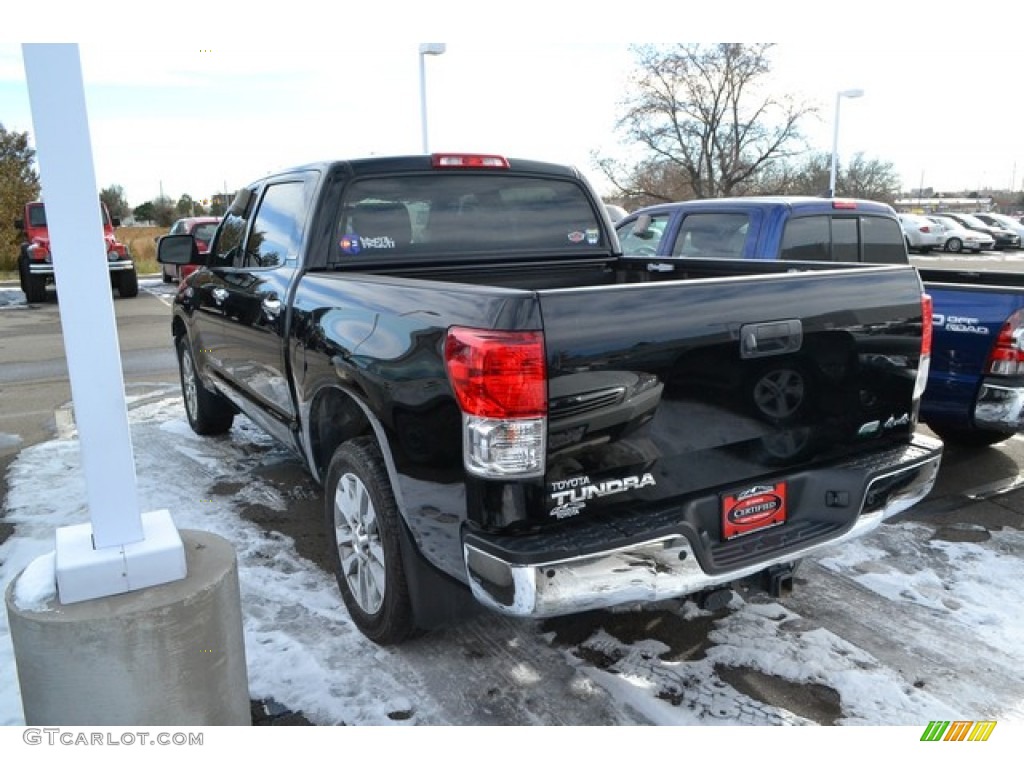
247 300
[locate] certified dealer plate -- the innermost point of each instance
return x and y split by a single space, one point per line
753 509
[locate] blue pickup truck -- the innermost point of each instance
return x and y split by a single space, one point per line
975 391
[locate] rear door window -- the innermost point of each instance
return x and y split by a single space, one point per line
712 236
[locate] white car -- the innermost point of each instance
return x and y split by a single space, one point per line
957 238
920 233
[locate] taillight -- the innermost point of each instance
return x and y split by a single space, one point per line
924 362
927 318
500 381
1007 355
439 160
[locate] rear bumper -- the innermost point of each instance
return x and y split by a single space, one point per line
667 565
999 407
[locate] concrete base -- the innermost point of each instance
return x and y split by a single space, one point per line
168 655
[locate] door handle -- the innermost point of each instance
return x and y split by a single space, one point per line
774 338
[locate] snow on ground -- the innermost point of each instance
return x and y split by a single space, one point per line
303 652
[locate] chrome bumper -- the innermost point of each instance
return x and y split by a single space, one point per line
46 268
667 567
999 407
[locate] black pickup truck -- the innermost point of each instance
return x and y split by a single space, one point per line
496 399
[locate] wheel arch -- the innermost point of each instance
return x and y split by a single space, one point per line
335 415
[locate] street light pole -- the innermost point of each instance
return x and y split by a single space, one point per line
426 49
852 93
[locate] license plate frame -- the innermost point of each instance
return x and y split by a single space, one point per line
754 509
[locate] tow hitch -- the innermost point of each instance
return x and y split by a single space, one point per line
778 580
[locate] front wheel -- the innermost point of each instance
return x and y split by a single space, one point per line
128 284
208 412
954 245
363 529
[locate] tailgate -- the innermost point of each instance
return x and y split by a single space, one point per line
729 386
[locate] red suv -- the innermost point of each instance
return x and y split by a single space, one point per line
202 228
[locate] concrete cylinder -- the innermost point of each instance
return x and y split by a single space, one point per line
169 655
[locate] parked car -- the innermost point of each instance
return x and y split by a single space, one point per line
920 233
202 229
1006 222
1004 238
957 238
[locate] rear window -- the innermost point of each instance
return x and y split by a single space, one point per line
462 213
870 239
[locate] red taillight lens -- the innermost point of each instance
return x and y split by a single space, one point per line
498 374
926 324
1007 355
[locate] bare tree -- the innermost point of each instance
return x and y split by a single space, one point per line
705 123
869 179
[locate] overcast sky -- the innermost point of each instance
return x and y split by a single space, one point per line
171 110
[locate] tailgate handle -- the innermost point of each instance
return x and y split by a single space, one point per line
779 337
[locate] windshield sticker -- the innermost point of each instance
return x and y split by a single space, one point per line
353 244
576 237
349 244
592 236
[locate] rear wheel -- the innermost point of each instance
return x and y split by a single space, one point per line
208 412
363 529
35 289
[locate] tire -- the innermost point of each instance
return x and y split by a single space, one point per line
954 245
23 273
166 278
128 284
970 438
363 531
35 292
208 412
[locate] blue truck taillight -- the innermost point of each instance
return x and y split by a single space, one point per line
1007 355
500 381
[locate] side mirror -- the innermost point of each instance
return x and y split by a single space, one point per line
19 224
642 227
179 250
116 222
